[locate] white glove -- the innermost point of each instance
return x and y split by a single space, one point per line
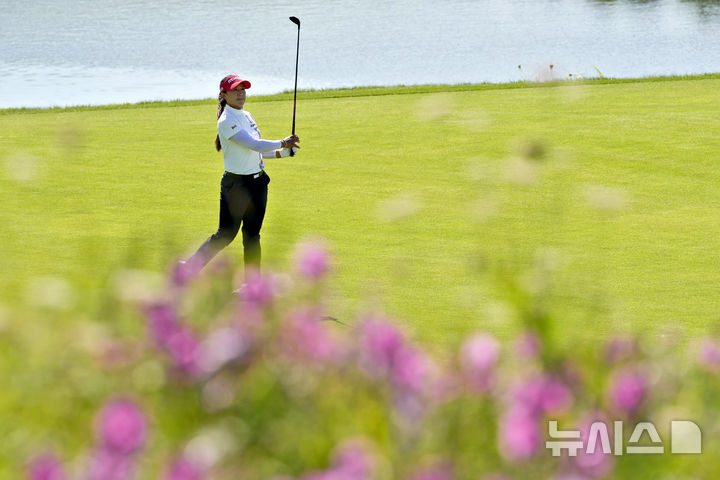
285 152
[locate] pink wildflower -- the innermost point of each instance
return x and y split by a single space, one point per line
543 394
121 427
385 353
222 346
183 348
258 290
519 434
442 471
313 261
444 387
183 272
709 354
519 431
380 343
183 469
173 338
599 463
478 357
620 348
528 345
628 389
352 460
162 322
410 369
46 467
108 465
306 334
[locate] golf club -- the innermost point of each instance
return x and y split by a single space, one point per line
296 21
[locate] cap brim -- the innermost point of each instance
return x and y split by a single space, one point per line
238 82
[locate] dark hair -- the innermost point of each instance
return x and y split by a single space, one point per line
220 110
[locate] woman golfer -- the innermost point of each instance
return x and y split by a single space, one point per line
244 185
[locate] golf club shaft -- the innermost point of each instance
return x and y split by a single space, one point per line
297 57
296 21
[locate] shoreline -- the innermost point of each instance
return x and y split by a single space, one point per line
313 94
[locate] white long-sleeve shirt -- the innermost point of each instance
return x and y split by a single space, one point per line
242 145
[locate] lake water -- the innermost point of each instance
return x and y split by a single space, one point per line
55 52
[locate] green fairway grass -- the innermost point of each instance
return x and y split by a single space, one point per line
430 198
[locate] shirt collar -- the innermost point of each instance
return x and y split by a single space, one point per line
234 110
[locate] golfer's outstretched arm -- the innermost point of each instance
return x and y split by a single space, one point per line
283 152
244 138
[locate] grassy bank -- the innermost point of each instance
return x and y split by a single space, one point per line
602 195
375 91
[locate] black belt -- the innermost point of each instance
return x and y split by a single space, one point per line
252 176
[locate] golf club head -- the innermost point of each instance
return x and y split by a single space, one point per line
295 20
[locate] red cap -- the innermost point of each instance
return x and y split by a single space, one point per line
231 82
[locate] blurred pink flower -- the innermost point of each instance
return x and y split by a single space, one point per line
555 396
709 354
444 387
519 430
180 275
442 471
183 348
313 260
108 465
162 322
409 408
528 345
326 475
306 334
173 338
620 348
121 427
258 290
543 394
478 356
384 352
222 346
380 342
183 272
628 389
352 460
410 369
599 463
519 433
46 466
183 469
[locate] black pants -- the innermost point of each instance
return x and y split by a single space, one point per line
242 202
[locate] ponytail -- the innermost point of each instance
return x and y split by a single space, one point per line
220 110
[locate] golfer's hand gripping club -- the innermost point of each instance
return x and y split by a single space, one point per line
291 142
